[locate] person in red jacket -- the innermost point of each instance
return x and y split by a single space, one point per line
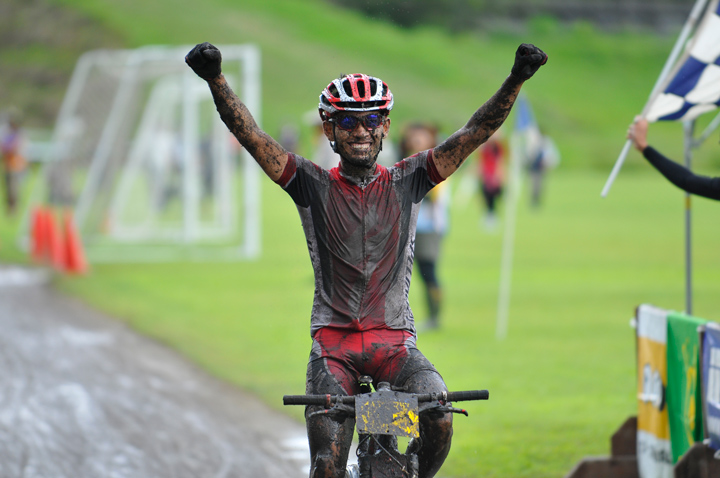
491 170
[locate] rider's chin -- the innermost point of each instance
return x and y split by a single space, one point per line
364 159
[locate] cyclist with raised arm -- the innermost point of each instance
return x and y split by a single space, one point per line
359 221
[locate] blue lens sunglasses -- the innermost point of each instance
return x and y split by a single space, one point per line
348 123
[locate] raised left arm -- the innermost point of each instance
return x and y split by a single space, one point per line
449 155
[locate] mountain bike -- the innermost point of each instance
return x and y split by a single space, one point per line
380 418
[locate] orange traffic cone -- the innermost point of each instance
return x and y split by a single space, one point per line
56 251
38 236
75 262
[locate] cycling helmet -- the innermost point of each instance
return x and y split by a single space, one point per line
356 92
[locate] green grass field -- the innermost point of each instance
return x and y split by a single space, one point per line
564 378
560 383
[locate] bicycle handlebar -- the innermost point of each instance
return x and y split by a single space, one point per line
325 400
468 395
329 400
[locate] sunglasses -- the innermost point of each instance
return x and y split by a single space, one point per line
348 123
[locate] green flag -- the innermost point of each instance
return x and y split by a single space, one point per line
683 389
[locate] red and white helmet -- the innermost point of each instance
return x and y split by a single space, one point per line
356 92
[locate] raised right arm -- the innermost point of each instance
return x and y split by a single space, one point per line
205 60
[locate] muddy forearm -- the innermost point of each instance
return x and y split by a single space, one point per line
267 152
483 123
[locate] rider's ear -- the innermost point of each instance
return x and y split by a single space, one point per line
328 130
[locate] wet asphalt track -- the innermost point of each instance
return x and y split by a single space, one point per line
82 396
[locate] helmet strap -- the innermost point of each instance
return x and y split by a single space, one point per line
333 144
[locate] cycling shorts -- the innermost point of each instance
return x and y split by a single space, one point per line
339 357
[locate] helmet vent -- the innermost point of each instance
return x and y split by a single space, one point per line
356 92
361 89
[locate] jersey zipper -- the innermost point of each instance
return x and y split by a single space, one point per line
363 221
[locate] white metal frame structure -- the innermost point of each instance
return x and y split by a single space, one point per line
130 120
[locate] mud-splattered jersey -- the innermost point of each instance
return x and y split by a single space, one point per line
360 238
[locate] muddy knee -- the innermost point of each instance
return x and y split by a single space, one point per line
330 441
437 428
327 465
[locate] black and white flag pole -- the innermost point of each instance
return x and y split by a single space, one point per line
660 84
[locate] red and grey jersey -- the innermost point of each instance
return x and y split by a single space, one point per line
360 238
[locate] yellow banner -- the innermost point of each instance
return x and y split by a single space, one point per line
653 437
652 384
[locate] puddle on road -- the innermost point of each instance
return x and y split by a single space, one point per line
13 276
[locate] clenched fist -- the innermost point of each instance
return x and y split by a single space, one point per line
205 61
528 59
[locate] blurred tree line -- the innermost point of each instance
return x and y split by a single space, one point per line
460 15
40 42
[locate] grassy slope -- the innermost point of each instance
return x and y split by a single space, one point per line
592 87
39 45
564 379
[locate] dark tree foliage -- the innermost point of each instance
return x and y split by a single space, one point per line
468 14
454 14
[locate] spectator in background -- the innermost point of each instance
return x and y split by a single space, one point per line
432 221
289 136
492 176
12 146
543 156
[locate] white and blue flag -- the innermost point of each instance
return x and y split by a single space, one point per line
693 87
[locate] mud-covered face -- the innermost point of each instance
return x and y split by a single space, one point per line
358 136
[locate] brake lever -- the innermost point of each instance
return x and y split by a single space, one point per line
339 410
439 408
457 410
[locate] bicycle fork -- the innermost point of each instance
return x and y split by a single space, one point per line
379 457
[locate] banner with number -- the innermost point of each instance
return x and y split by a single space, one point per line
653 435
683 384
711 382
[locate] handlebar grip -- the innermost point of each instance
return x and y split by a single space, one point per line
322 400
305 399
468 395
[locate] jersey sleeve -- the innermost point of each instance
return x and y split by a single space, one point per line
300 179
682 177
419 174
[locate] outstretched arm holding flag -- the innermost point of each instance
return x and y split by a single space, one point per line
688 85
680 176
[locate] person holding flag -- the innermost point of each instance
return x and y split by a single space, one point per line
687 87
680 176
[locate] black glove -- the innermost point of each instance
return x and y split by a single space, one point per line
528 59
205 61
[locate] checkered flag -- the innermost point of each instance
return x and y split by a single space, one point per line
693 87
689 84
